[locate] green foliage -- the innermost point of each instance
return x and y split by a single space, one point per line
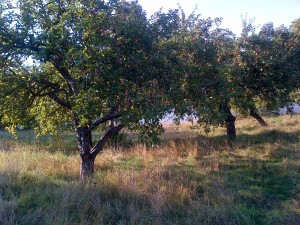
264 75
89 60
82 64
194 55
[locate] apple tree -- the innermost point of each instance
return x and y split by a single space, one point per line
80 65
201 50
264 76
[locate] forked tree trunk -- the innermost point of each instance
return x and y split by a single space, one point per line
230 124
88 152
258 118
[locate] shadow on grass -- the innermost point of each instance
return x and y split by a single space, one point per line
262 138
36 200
263 193
281 142
266 189
238 193
27 138
67 144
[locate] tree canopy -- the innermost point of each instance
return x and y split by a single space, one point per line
264 74
78 64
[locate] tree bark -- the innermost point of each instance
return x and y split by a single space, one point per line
87 168
88 152
230 124
84 138
230 127
258 118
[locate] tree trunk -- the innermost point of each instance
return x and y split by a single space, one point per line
87 168
230 127
88 152
258 118
230 124
84 138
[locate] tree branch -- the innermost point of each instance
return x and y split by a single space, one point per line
54 97
103 120
65 74
99 146
56 60
52 93
59 101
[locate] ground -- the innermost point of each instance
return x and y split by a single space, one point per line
189 178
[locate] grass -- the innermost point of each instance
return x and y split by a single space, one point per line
191 178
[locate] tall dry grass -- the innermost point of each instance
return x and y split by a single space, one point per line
191 178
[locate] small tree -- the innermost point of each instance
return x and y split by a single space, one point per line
81 65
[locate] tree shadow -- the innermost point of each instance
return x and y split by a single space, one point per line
35 200
249 192
256 140
265 188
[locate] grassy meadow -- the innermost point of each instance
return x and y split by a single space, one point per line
190 178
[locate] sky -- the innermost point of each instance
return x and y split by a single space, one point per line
277 11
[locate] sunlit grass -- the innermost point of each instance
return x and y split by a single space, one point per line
190 178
